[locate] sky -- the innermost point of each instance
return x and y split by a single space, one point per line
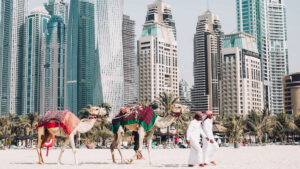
186 12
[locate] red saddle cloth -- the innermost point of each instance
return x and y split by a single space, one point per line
65 119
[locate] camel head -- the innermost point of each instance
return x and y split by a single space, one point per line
95 112
177 110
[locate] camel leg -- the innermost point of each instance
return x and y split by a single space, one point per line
119 146
149 143
39 145
73 148
112 148
63 146
142 133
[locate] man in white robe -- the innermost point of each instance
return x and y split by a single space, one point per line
210 146
193 138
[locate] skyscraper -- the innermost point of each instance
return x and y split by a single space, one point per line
36 26
241 83
82 64
12 51
158 54
184 92
207 55
109 51
129 61
58 8
53 76
266 20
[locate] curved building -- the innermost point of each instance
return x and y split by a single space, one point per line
109 52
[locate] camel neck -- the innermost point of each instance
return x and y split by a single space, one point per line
86 125
163 122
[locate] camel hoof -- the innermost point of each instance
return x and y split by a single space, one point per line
41 162
114 162
59 163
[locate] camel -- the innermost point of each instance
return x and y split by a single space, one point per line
84 126
160 122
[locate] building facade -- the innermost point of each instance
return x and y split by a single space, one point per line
81 63
12 51
207 56
291 93
241 82
109 51
184 92
158 54
53 77
58 8
36 26
266 20
129 61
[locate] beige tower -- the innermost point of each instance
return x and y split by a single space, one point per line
158 54
241 84
291 93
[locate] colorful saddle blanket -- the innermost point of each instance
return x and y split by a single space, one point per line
145 118
65 119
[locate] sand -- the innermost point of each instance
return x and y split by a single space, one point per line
262 157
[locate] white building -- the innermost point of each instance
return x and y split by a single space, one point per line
158 54
109 84
241 84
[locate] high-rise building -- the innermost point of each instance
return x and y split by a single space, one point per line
12 51
58 8
158 54
53 76
82 65
207 56
241 82
266 20
109 50
129 61
184 92
36 26
291 93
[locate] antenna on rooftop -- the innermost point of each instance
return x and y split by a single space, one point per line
207 5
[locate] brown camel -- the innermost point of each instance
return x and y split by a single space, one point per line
160 122
84 126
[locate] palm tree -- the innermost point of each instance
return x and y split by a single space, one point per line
33 119
283 126
84 112
166 101
106 106
235 126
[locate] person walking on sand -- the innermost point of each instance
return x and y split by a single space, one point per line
193 138
210 146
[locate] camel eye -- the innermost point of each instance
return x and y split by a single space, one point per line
97 109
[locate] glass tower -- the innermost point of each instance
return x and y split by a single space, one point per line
82 68
36 31
266 20
109 50
58 8
12 51
53 72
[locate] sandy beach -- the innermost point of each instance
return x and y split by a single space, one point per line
262 157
